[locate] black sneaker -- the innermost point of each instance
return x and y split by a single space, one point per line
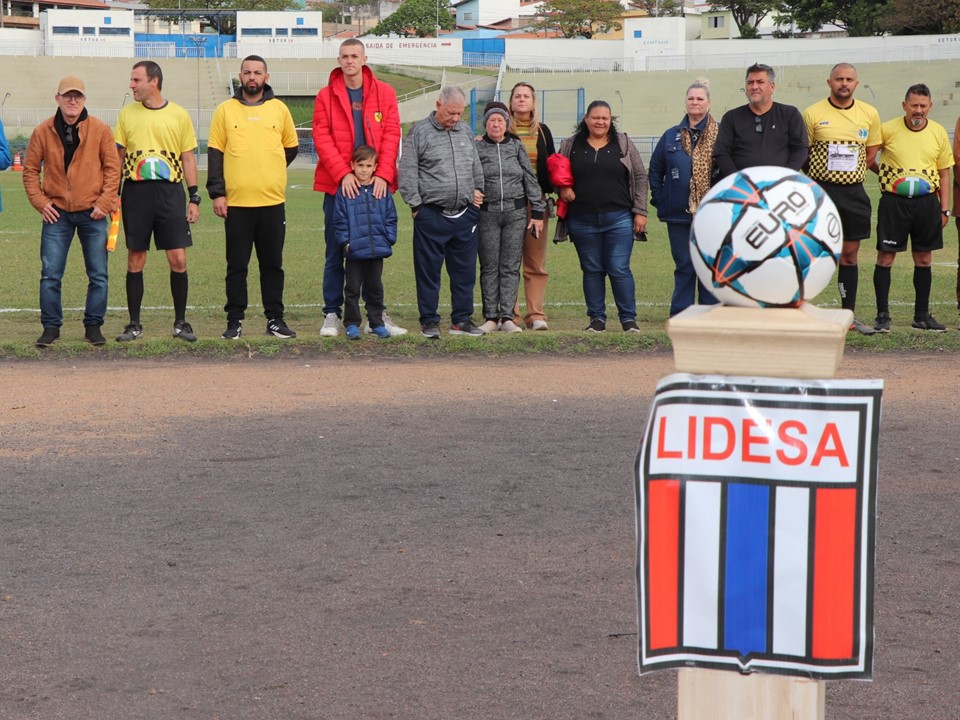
49 335
882 324
631 326
928 322
597 325
130 332
92 334
183 331
430 330
466 328
278 328
234 330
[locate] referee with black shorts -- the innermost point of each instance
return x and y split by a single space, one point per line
844 138
914 169
155 139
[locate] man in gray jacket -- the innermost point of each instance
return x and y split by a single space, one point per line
441 180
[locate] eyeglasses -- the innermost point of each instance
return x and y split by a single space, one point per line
758 127
74 97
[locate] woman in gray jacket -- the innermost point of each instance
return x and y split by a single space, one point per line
509 184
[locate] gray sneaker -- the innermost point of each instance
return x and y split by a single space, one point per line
130 333
863 328
466 328
331 325
430 330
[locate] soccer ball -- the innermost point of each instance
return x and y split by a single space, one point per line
765 237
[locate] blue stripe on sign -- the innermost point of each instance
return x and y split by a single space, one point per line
745 578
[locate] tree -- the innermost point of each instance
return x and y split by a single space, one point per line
923 17
747 14
579 18
417 18
332 12
226 24
661 8
860 18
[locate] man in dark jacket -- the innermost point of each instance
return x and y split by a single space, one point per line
72 177
441 179
252 141
354 109
762 132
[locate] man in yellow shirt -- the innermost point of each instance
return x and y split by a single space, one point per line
155 140
914 169
844 138
252 141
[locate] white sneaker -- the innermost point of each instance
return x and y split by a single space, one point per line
489 326
509 326
395 330
331 326
392 328
539 325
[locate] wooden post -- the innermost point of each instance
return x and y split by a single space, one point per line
806 342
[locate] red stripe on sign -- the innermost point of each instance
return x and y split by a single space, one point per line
663 548
834 574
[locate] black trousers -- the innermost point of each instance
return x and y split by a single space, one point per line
365 275
263 228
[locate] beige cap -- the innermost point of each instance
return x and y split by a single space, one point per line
71 83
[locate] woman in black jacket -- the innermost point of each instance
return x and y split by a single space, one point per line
538 142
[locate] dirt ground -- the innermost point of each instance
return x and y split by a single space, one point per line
351 538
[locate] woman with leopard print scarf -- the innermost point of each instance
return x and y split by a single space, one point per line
681 172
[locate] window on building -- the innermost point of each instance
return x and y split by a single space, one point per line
281 32
65 30
715 22
114 31
261 32
304 32
89 30
468 17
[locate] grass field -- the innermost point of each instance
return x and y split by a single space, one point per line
652 266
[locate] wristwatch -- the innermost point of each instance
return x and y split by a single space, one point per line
195 199
946 213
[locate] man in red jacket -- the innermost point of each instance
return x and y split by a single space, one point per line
354 109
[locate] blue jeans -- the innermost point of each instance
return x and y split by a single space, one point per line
686 285
55 242
604 242
333 274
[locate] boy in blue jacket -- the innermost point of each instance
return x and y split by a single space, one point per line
366 230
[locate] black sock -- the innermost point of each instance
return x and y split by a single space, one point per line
847 285
922 280
881 285
134 295
178 288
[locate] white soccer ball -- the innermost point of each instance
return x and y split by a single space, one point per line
766 237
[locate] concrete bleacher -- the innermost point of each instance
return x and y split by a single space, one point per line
653 101
32 84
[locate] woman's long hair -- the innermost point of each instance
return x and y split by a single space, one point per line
534 115
583 131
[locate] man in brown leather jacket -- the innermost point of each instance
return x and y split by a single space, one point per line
71 173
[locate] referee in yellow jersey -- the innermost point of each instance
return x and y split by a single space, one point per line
844 137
